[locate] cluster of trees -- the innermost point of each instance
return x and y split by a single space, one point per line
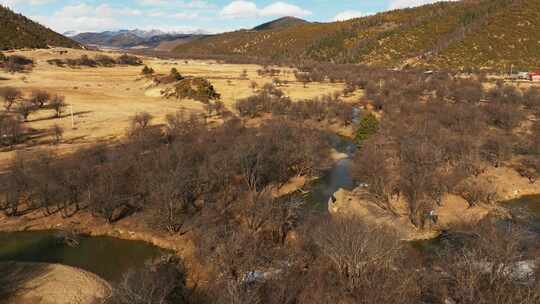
14 101
15 63
268 71
161 281
198 169
273 100
99 60
172 77
18 108
147 71
343 260
196 88
437 134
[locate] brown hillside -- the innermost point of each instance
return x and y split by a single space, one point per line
17 31
463 34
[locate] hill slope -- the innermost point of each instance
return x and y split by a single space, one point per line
17 31
464 34
281 23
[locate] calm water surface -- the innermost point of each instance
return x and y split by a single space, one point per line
107 257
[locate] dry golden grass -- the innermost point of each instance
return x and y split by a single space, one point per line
104 99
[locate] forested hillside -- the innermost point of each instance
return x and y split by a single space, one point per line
464 34
17 31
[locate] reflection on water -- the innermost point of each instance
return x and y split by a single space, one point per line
337 177
334 179
107 257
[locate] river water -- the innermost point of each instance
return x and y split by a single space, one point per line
337 177
527 211
107 257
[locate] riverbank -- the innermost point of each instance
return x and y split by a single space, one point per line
83 222
131 228
454 210
40 283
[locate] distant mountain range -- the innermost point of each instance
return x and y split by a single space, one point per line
125 39
464 34
17 31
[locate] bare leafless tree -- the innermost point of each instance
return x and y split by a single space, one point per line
58 104
10 96
39 98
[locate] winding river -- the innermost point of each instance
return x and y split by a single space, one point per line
110 257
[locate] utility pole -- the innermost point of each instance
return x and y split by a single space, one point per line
72 119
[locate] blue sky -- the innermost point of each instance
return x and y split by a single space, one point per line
189 15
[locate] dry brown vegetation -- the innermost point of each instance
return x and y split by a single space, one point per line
212 180
437 134
466 35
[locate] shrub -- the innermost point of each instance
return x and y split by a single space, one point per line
162 281
147 71
244 74
20 60
126 59
504 94
496 150
105 60
530 168
503 115
367 126
475 192
17 63
253 85
24 109
11 130
175 74
57 62
84 60
531 98
196 88
141 120
58 133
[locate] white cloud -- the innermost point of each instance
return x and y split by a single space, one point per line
346 15
283 9
239 9
247 9
395 4
193 4
84 17
10 3
189 16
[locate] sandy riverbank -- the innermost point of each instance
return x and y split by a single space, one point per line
39 283
454 210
